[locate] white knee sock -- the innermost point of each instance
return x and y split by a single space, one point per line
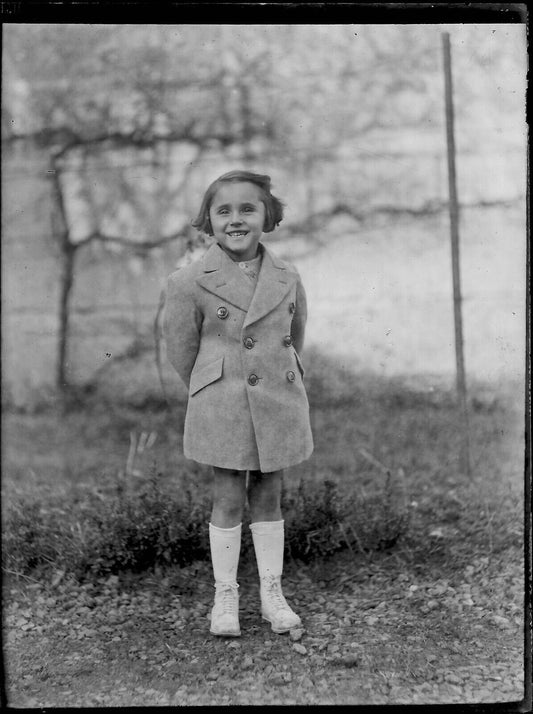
269 539
225 550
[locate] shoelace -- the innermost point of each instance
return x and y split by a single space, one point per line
225 596
274 594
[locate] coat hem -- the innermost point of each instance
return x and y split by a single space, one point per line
256 467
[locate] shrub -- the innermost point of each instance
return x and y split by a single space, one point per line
313 518
137 531
321 521
31 537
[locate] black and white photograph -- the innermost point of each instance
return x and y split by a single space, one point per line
265 362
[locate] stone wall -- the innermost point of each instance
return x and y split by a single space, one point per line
113 301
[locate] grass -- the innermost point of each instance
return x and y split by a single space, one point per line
103 488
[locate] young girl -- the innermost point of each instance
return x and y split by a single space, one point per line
234 326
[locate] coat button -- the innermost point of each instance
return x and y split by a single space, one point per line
222 312
253 379
249 342
292 308
287 340
291 376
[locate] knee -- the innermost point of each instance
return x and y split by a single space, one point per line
229 506
229 495
264 495
265 500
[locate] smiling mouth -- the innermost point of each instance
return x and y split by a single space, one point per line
237 234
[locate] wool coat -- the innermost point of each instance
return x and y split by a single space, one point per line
236 347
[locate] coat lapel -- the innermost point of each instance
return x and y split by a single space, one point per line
221 277
273 284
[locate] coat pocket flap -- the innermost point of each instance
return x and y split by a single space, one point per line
205 375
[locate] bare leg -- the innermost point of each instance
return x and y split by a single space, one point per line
264 495
229 494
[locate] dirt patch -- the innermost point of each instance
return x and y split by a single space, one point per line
375 632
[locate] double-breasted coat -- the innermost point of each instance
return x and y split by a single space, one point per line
236 347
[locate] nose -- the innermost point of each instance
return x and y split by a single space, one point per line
235 219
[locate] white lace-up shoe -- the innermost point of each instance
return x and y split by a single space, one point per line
225 612
275 609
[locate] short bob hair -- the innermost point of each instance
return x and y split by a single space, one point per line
273 206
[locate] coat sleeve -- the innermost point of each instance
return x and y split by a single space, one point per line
299 318
182 324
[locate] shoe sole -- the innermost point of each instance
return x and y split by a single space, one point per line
226 634
280 630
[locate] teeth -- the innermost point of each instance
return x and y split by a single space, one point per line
239 233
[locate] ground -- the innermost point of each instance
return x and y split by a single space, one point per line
375 631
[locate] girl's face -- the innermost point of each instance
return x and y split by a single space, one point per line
237 216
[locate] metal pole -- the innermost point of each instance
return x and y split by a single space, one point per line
456 271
